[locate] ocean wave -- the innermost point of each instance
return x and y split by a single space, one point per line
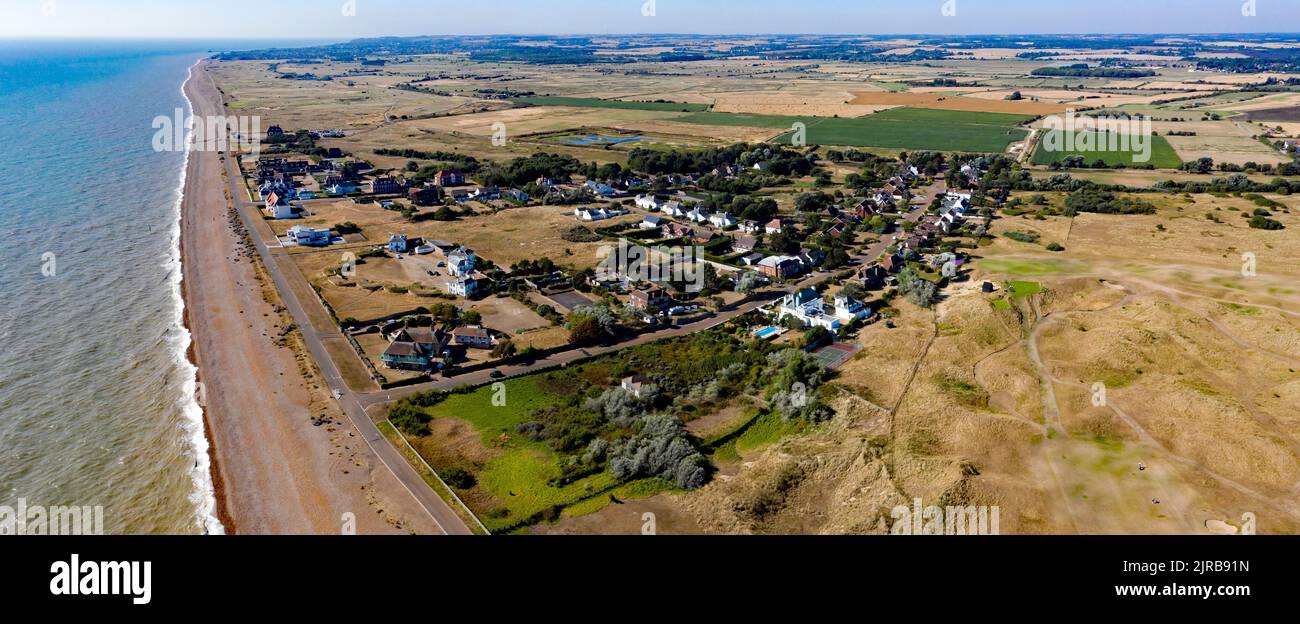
204 496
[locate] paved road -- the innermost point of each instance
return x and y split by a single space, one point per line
442 514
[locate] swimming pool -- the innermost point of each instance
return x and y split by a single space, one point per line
766 333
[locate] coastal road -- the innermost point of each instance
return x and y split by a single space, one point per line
388 454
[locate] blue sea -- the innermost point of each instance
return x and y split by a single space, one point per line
96 395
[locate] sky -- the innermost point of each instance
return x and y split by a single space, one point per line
347 19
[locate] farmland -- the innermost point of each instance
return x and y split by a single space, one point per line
1162 154
618 104
898 128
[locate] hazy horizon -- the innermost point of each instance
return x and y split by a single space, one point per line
318 20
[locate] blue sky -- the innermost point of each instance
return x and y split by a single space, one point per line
318 19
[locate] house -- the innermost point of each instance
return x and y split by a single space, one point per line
744 243
780 267
386 186
635 384
309 237
515 195
873 277
675 209
470 286
678 230
774 226
279 208
418 350
892 263
601 189
461 261
915 243
651 222
812 257
808 307
649 202
848 310
425 196
399 243
473 336
836 230
274 187
305 194
697 215
750 227
650 299
751 259
341 187
1289 147
486 193
448 178
722 220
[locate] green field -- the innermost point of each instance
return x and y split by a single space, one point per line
620 104
897 128
1162 154
518 476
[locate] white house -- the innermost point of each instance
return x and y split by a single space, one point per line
807 306
461 261
722 220
651 222
649 202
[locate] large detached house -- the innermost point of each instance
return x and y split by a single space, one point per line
470 286
473 337
418 350
810 309
461 261
309 237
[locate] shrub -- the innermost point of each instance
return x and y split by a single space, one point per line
1055 247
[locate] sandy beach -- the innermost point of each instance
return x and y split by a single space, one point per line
285 458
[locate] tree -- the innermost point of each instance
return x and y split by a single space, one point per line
919 291
471 317
748 282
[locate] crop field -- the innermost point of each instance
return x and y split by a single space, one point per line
897 128
1162 154
939 101
576 102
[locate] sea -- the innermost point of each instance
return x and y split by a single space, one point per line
97 397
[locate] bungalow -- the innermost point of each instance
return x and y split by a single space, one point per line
649 202
675 209
722 220
418 350
635 384
448 178
473 336
386 186
697 215
751 259
486 193
774 226
515 195
470 286
600 188
425 196
780 267
341 187
309 237
461 261
650 299
678 230
651 222
745 243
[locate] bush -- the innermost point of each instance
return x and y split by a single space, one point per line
409 419
1055 247
1265 223
458 478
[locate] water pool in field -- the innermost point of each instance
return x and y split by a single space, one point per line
600 139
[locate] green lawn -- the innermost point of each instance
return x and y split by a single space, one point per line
897 128
599 103
1024 289
517 477
1162 154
